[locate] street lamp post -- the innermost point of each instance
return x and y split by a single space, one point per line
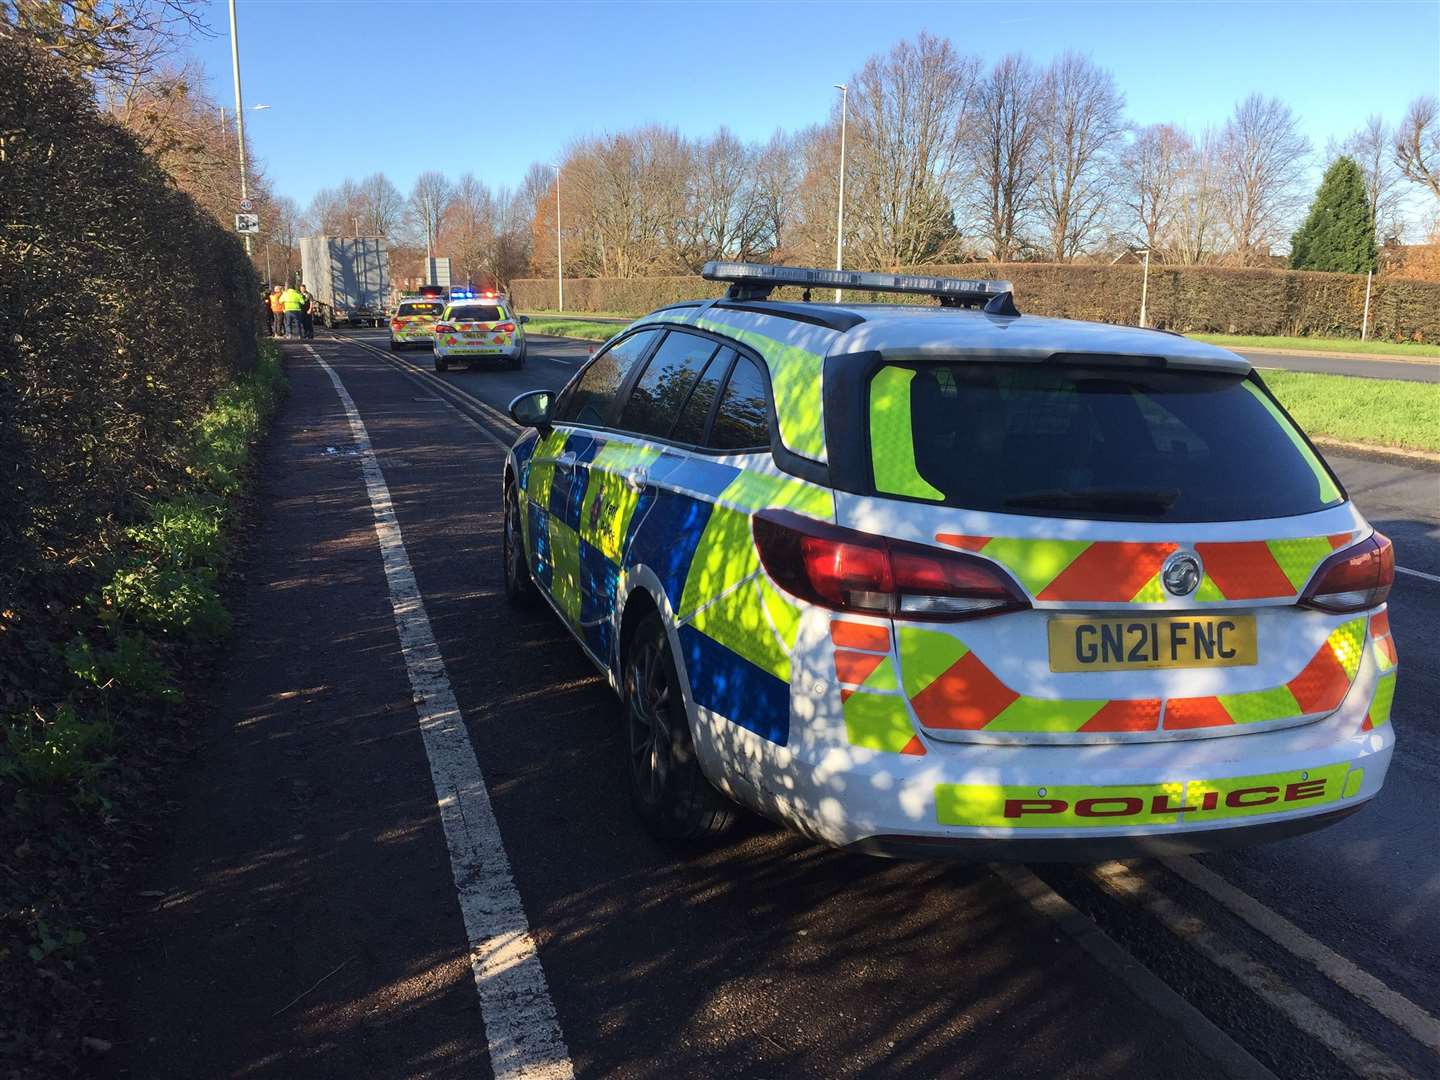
239 109
559 254
1144 283
840 216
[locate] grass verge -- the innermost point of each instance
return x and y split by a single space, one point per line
551 314
1382 412
77 778
579 328
1403 349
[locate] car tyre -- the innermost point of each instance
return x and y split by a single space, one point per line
667 788
519 585
394 345
518 360
441 364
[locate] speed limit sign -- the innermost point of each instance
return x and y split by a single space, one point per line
246 205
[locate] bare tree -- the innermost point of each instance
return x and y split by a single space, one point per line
469 227
429 199
1006 134
1373 148
911 113
378 204
723 215
1262 160
778 176
112 41
1194 236
1151 176
1082 121
1417 144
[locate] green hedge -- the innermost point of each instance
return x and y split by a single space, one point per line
1188 299
123 307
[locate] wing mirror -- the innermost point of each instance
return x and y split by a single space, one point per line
532 409
524 318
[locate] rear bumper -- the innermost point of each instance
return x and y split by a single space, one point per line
1097 848
1065 802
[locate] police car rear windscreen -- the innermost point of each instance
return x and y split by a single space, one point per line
1109 443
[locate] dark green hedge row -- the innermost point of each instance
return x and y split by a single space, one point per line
123 307
1188 299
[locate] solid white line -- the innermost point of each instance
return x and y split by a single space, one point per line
521 1027
1394 1006
1233 1059
1419 574
1359 1056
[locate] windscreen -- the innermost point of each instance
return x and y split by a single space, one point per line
1090 442
475 313
432 310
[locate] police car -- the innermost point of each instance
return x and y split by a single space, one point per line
933 579
479 327
413 322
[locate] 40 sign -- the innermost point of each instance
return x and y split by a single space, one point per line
247 223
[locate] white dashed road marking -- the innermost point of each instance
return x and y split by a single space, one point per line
521 1027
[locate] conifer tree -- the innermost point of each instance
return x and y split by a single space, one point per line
1339 233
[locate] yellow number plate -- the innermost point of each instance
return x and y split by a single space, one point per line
1096 643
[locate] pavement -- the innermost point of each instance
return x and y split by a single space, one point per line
1411 369
317 915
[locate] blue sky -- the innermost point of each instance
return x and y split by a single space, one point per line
352 83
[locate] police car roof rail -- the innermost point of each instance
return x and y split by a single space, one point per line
756 281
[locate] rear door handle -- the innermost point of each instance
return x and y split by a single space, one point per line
567 458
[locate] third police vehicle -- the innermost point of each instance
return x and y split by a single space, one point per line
925 579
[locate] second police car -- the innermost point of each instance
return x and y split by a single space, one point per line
925 579
479 329
413 321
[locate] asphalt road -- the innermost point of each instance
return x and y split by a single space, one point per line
1416 370
309 924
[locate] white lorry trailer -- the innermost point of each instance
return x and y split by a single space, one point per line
349 277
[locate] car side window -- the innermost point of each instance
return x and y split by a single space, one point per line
591 399
657 397
742 420
690 427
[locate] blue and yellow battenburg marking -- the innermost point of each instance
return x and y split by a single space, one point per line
595 503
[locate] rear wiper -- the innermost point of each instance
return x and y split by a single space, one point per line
1104 500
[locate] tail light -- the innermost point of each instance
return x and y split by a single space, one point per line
444 328
505 328
1355 579
854 571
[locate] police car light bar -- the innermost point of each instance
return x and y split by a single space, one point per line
461 294
754 281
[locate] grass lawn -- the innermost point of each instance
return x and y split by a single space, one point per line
1308 344
1384 412
581 328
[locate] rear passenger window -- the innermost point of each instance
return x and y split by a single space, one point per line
690 428
592 397
655 403
741 421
